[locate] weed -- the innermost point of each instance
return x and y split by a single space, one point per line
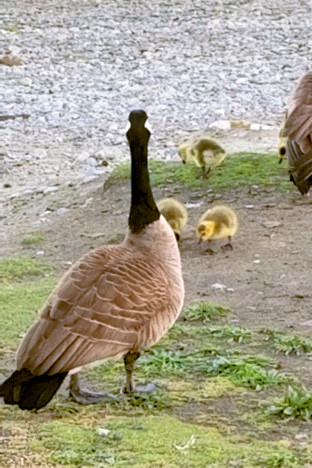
296 404
285 459
289 344
33 238
204 312
231 333
244 371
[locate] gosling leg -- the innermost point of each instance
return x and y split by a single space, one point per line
85 397
227 246
129 387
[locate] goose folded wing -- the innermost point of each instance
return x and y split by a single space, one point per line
98 311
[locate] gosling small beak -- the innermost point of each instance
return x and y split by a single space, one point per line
183 162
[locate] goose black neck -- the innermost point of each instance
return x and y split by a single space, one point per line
143 210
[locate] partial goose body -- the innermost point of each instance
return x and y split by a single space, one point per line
217 223
298 130
205 152
175 213
113 302
282 144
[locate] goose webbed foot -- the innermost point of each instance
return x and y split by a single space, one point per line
227 247
86 397
209 251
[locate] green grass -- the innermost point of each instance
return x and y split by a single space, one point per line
168 443
238 169
33 238
20 268
25 285
205 412
289 343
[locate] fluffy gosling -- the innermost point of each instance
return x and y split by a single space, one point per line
205 152
217 223
175 213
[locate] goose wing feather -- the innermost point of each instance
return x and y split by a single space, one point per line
103 307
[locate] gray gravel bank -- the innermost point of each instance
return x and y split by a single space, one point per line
87 63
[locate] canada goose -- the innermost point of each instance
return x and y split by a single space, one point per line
206 153
114 302
298 130
217 223
175 213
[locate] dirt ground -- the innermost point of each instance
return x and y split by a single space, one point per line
265 279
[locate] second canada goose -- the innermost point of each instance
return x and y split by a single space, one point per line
282 145
114 302
205 152
175 213
298 130
217 223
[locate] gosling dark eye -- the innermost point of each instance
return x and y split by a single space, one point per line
282 151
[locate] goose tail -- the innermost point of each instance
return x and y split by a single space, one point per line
28 391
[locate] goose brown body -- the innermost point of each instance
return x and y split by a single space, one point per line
298 130
113 302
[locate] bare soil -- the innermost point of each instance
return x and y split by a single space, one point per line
265 279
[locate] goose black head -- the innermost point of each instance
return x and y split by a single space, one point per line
138 130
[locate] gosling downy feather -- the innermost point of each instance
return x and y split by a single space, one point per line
298 130
205 152
175 213
112 303
217 223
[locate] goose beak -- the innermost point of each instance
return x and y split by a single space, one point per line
199 240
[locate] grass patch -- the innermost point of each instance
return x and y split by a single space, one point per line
154 442
26 283
295 404
19 305
248 371
231 333
204 312
21 268
33 238
238 169
289 344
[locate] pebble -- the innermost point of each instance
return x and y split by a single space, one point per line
84 69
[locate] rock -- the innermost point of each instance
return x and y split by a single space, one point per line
218 286
271 224
221 125
26 81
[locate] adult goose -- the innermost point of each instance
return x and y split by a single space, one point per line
298 130
114 302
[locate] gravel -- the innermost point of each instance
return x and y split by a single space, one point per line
86 64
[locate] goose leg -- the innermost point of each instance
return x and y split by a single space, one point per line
85 397
129 361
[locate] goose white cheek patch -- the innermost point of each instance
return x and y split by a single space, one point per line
148 126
